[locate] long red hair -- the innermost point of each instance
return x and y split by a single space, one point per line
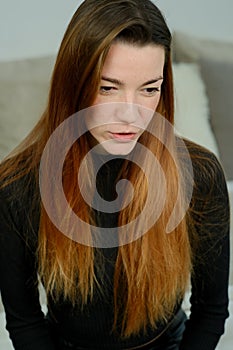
151 273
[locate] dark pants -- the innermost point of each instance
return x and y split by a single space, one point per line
169 340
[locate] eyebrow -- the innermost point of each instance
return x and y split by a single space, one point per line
121 83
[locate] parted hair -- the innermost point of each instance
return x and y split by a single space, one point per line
152 272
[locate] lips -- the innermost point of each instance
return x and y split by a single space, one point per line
125 136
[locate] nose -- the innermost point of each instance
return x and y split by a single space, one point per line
127 112
127 109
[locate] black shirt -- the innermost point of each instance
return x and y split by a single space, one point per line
28 327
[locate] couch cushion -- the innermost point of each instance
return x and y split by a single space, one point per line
188 48
216 61
218 78
21 104
191 106
32 69
23 94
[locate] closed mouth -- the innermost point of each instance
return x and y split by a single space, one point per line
123 135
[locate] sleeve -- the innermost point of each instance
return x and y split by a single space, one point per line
209 279
25 321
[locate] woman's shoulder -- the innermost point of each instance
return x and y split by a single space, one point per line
198 152
209 206
17 188
19 201
207 170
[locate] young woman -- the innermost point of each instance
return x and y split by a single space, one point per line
115 279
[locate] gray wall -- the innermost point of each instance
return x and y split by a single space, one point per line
203 18
31 28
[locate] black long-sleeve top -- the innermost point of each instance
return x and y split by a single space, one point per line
28 327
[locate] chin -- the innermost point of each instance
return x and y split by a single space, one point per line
119 149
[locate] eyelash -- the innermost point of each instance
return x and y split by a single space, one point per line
151 91
105 90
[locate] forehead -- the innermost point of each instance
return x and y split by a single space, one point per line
124 60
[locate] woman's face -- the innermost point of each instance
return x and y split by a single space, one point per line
128 95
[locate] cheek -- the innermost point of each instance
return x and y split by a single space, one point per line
155 102
97 133
152 107
146 115
147 120
97 101
151 103
97 116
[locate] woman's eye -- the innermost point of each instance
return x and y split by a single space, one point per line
152 90
106 89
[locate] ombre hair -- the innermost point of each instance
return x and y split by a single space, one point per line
152 272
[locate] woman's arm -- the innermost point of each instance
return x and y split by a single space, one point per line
18 279
209 297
